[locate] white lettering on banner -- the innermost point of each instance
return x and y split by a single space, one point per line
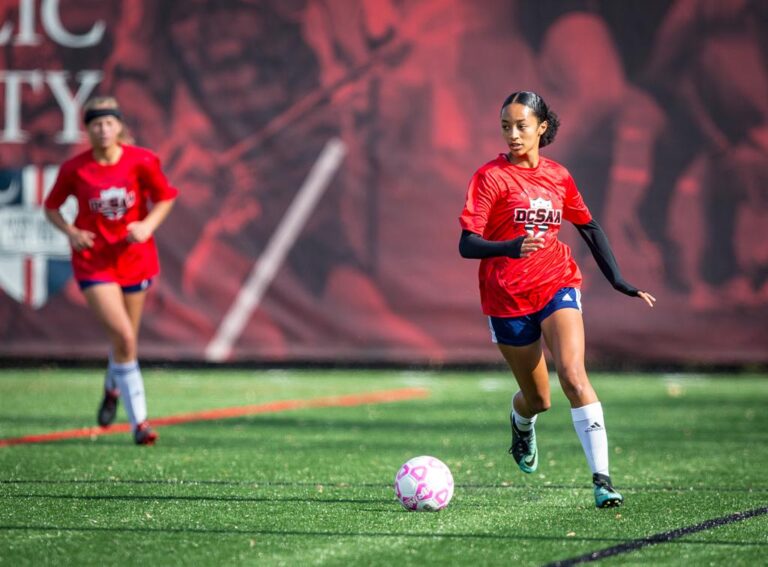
26 35
26 231
50 18
14 81
68 103
23 227
52 24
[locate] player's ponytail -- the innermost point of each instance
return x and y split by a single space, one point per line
540 110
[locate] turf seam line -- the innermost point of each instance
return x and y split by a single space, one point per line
655 539
348 400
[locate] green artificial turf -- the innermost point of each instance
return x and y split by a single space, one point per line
313 486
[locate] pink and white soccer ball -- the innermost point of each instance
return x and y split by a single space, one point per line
424 484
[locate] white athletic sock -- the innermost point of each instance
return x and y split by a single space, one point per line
128 378
590 427
523 423
109 378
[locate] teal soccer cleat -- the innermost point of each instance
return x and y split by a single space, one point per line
523 448
606 496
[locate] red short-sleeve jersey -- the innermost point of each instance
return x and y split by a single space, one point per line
505 201
109 198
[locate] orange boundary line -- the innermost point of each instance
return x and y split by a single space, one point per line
380 397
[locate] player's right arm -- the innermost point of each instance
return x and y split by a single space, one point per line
79 239
473 245
481 196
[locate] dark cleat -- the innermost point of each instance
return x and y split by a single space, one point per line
108 408
144 435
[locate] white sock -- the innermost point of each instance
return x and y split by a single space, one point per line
523 423
109 378
590 427
128 378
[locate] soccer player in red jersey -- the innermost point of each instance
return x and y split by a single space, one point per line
114 257
529 282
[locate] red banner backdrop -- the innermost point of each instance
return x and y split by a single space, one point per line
323 149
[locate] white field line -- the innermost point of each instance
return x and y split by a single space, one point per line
281 242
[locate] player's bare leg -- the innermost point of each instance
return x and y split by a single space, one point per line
564 333
134 306
105 301
530 369
110 305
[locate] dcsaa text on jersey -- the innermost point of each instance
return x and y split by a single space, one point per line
113 202
539 216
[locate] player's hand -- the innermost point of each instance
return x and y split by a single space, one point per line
81 239
530 245
647 297
138 232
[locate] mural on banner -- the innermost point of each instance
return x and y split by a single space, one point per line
323 149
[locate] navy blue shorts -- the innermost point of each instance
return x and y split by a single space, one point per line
132 288
525 330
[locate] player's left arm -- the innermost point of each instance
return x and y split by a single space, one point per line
159 192
141 231
598 244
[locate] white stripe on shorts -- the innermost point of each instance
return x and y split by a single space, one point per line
493 333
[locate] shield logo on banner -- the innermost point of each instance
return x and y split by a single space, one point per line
34 256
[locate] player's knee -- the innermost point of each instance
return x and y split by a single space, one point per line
573 378
125 344
574 389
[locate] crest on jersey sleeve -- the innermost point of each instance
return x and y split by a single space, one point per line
539 216
34 256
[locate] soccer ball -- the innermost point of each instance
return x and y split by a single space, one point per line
424 484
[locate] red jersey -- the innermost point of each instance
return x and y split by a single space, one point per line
506 201
109 198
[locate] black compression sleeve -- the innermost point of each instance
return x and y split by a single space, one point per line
473 245
601 250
